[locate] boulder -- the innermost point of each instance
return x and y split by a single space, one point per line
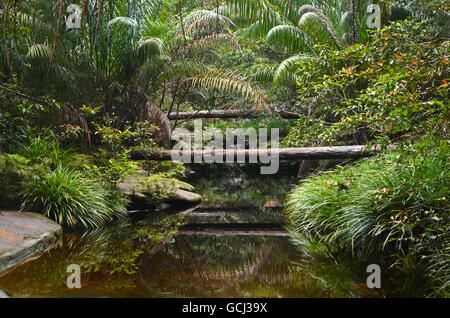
272 204
177 190
23 235
187 196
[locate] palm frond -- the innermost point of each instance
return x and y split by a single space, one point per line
285 71
206 20
217 38
122 21
310 21
214 78
264 75
150 47
39 51
289 37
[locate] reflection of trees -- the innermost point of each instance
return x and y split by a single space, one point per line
145 259
338 273
252 191
224 266
108 258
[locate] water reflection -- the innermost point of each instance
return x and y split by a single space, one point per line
149 258
137 261
226 266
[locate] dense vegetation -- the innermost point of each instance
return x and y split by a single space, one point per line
75 101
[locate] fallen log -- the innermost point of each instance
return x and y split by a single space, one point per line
226 114
306 153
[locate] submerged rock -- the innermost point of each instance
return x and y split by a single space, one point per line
24 234
272 204
3 294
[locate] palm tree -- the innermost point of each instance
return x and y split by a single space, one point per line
135 57
296 26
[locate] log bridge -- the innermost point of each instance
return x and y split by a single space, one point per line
306 153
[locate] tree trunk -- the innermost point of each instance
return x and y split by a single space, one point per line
228 114
353 24
5 40
307 153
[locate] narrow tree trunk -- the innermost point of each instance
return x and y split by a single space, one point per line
5 39
353 24
55 43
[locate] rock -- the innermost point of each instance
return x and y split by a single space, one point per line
132 186
272 204
3 294
23 235
187 196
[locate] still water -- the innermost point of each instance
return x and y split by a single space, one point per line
234 245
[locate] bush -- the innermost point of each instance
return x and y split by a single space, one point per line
71 198
393 88
48 179
394 205
14 169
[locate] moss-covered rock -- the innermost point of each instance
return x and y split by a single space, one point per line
156 188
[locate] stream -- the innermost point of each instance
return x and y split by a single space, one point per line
233 245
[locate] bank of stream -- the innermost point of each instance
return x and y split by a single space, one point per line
233 245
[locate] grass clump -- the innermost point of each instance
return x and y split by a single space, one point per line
71 198
394 205
46 178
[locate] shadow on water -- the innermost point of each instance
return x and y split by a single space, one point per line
157 256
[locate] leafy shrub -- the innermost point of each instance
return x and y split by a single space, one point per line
394 87
14 169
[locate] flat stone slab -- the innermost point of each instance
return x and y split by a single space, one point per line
24 234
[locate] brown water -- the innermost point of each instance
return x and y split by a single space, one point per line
145 257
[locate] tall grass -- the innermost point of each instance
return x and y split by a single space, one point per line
70 198
392 205
61 190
